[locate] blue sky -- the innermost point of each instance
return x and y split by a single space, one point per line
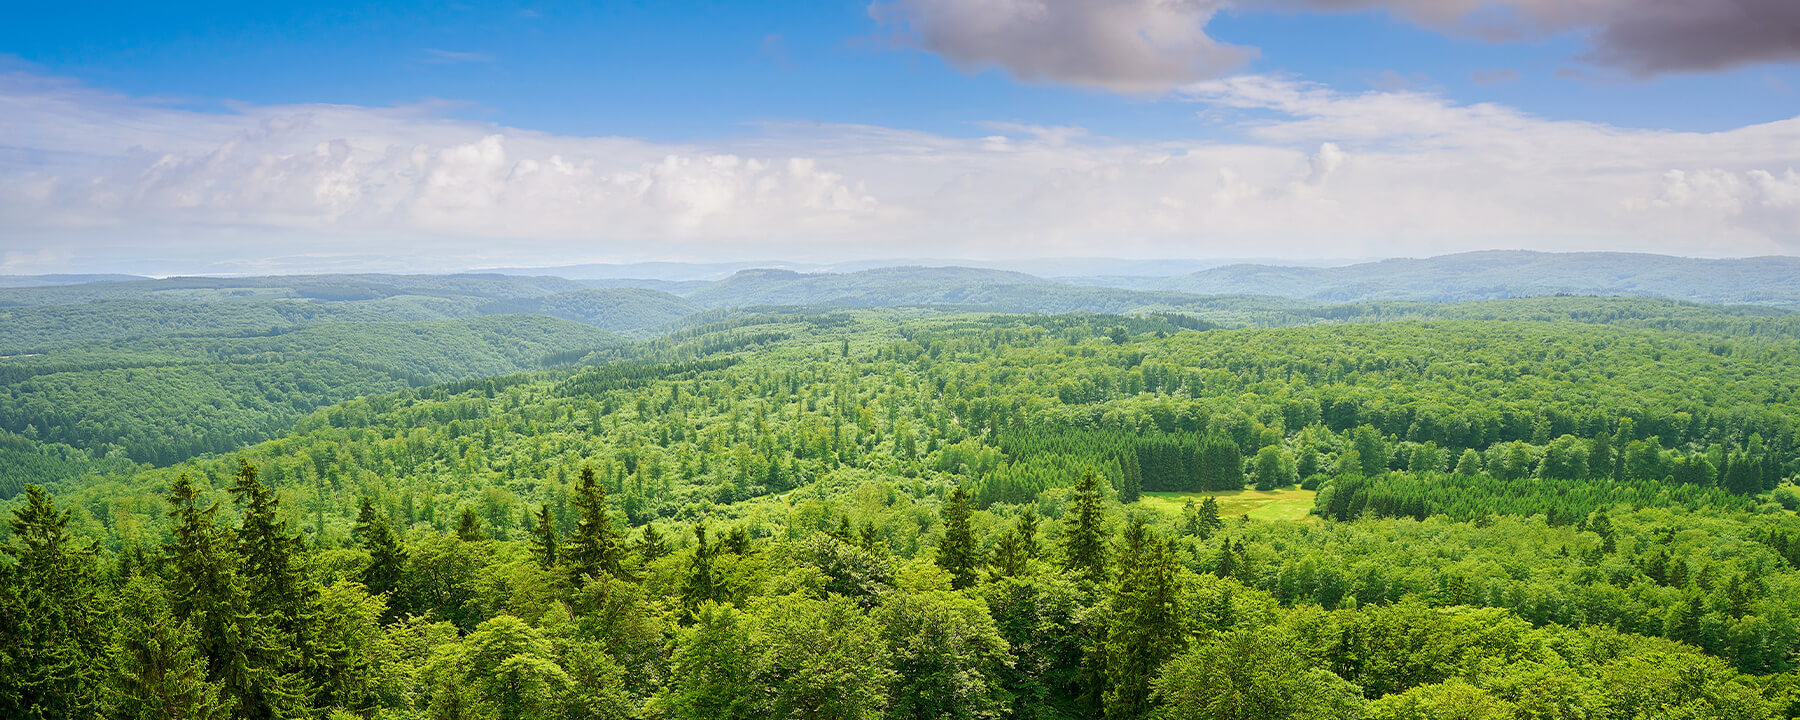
700 80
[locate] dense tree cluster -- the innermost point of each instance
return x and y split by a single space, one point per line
894 514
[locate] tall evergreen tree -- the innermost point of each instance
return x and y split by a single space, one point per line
594 548
277 588
702 584
1221 463
1084 537
51 615
155 668
957 554
468 526
1207 517
650 545
387 554
244 655
1146 626
544 542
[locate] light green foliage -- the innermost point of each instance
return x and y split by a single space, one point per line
1253 675
908 513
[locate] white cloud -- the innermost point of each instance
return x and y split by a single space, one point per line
94 179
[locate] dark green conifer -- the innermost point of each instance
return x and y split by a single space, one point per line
594 548
958 554
1084 538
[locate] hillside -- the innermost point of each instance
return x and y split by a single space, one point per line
165 398
1501 274
971 288
1481 503
614 309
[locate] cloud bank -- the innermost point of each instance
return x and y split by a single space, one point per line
96 180
1146 46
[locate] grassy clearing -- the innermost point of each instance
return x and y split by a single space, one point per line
1288 504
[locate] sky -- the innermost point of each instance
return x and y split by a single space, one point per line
207 137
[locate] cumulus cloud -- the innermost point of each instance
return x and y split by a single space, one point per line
91 179
1129 46
1140 46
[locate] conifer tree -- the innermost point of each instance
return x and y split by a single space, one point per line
1131 479
1084 541
276 587
468 526
594 548
1146 626
1221 464
51 615
544 542
701 586
1208 517
871 536
155 669
957 554
1028 522
244 655
387 555
650 545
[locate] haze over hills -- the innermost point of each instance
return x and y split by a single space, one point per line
1499 274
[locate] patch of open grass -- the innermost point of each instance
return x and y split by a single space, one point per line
1285 504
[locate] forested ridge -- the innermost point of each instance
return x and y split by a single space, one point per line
914 513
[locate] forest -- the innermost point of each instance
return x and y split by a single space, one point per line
1223 508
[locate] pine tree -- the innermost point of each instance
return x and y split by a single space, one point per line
594 548
957 554
155 669
544 542
51 615
1084 541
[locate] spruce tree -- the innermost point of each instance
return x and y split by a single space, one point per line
51 615
244 654
544 542
1207 517
594 548
387 555
1146 627
957 554
468 526
1084 538
650 545
272 575
155 668
701 585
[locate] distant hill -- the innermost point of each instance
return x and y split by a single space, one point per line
615 309
12 281
1502 274
971 288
